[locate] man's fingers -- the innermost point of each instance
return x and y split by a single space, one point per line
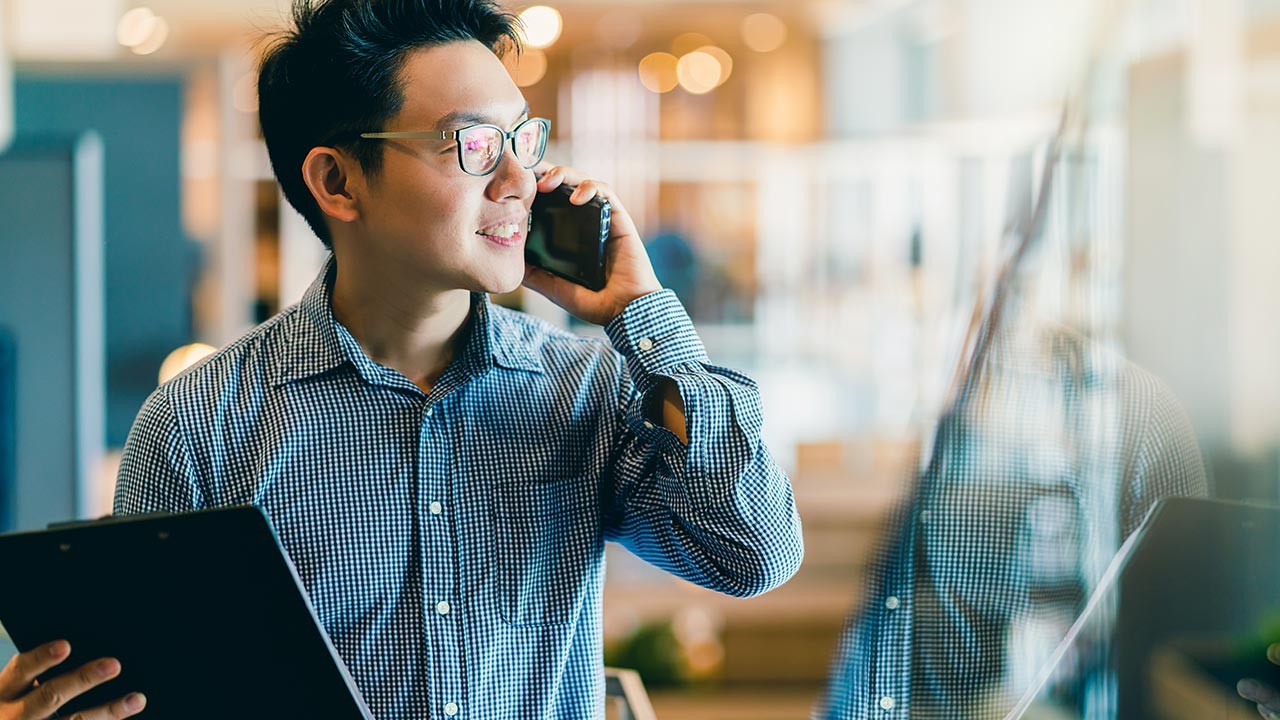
127 706
1257 692
46 699
24 668
588 189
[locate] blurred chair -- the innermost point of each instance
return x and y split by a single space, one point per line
625 694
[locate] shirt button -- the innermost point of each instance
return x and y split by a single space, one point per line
648 425
431 411
436 508
645 344
886 703
892 602
442 607
451 709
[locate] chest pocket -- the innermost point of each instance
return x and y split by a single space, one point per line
548 540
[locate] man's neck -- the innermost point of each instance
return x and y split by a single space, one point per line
414 330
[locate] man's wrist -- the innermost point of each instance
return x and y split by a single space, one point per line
630 298
654 332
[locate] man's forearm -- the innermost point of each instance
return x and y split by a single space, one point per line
666 408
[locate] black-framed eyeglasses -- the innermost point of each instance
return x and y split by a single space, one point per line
480 147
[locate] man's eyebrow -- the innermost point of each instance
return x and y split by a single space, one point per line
462 118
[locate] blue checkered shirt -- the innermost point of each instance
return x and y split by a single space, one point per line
452 543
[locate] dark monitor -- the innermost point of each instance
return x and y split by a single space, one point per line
1186 609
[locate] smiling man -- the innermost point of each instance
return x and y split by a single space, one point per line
444 472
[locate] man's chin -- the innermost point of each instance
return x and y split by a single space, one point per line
507 283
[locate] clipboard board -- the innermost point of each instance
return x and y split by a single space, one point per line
204 610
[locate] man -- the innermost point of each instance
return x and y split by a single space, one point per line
444 472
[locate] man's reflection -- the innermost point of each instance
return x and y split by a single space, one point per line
1050 455
1034 482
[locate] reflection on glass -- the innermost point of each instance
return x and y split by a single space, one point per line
1187 609
1050 450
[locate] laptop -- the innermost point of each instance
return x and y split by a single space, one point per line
204 610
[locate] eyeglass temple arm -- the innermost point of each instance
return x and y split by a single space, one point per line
450 135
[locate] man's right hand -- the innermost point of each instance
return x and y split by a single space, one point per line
22 699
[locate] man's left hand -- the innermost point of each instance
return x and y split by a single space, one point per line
628 272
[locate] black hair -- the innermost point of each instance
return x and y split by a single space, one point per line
337 72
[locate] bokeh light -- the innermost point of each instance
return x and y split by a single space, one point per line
528 67
619 29
686 43
183 358
155 39
658 72
542 26
698 72
135 26
763 32
722 57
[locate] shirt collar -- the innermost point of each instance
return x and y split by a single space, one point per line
319 343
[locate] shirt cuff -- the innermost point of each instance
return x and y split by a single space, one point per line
655 334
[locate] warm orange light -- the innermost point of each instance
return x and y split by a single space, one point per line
722 57
541 25
528 67
183 358
619 29
763 32
155 39
688 42
658 72
698 72
135 26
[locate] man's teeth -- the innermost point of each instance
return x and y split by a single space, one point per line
502 231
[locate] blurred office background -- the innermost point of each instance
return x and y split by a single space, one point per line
828 184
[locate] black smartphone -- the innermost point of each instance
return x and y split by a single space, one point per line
569 240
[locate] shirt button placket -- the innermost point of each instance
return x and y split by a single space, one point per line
440 558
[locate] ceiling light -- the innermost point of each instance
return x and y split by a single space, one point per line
542 26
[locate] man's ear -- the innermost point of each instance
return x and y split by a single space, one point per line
328 174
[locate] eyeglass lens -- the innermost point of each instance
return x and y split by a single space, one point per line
482 146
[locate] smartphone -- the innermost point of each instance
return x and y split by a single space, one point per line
569 240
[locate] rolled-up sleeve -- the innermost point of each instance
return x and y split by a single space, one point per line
717 512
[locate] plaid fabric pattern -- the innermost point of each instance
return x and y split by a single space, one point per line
1033 483
453 542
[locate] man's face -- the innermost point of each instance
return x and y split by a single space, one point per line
422 213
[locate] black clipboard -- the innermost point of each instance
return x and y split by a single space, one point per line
204 610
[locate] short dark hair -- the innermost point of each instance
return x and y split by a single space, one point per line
337 72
